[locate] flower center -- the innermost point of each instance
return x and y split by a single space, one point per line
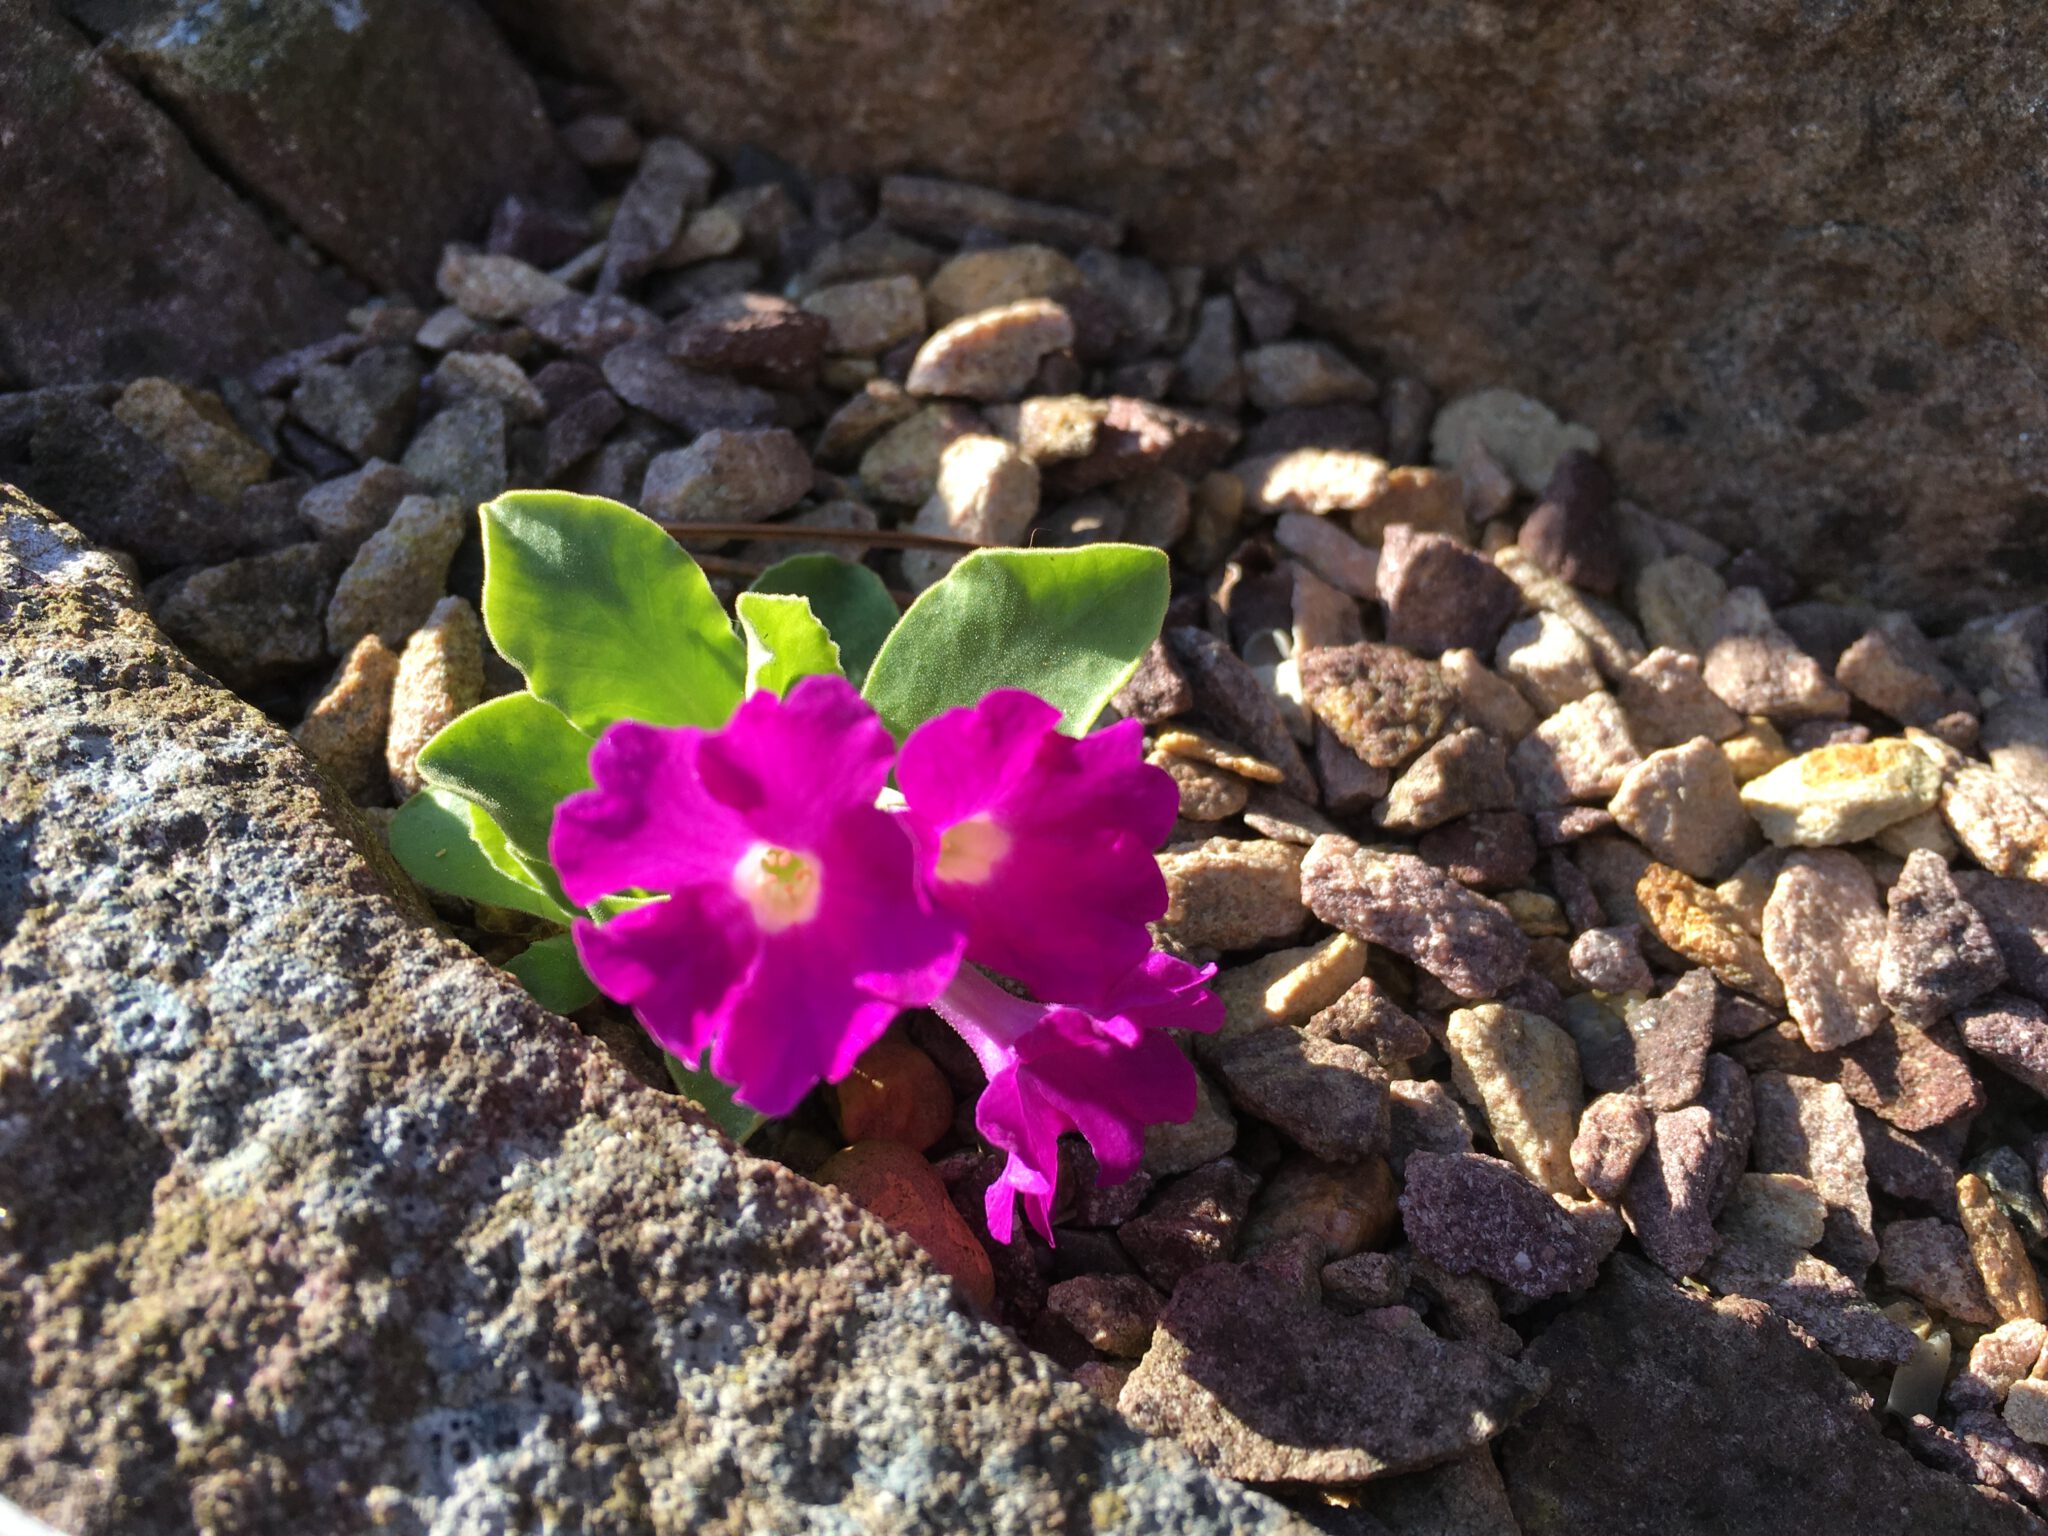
970 850
780 885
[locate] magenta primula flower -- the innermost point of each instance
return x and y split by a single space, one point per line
1107 1072
794 927
1040 844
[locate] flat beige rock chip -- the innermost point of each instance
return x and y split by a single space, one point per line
1844 793
1523 1073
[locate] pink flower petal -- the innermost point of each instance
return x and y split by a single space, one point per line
789 767
1058 1069
785 965
676 963
1062 904
649 823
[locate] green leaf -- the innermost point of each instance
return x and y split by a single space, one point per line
715 1099
1067 624
605 614
785 641
849 599
517 759
550 971
434 837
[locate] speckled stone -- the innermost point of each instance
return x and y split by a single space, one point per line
1613 1132
440 674
2001 1255
1331 1210
1440 594
1227 894
398 574
1939 954
1682 805
1930 1259
1581 753
1807 1127
253 620
1466 771
2004 827
1668 1201
1648 1374
1522 1072
1195 1220
344 730
2012 1034
1114 1313
1230 694
1824 933
317 1150
1479 1215
1224 1376
991 355
1703 927
1548 660
2016 912
1668 701
1380 701
1842 794
1671 1035
1329 1099
1757 669
1401 903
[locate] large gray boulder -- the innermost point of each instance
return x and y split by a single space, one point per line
1673 1415
121 252
378 128
1785 259
310 1220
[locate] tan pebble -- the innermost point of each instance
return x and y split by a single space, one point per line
1842 794
986 492
991 355
440 675
1706 930
1207 749
1206 793
1756 750
977 280
344 730
1286 988
398 575
1525 435
902 465
195 429
2026 1411
870 316
2004 828
2009 1278
1536 913
1225 894
1522 1071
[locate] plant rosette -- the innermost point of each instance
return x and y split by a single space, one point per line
770 839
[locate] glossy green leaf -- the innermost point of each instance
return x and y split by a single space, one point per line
605 614
517 758
434 837
1067 624
550 971
715 1099
849 599
785 641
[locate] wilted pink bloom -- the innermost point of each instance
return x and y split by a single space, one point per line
794 927
1039 843
1107 1071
